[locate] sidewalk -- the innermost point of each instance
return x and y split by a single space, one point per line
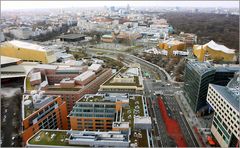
192 120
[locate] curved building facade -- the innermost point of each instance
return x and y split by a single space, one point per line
214 51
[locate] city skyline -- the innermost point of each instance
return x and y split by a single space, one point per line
120 74
14 5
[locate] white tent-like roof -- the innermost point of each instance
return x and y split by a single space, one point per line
218 47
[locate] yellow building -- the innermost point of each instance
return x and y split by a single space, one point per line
214 51
27 52
172 45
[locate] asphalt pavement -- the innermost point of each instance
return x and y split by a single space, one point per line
11 116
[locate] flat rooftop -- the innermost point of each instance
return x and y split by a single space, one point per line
227 68
135 109
229 95
127 73
8 60
107 97
29 107
43 137
72 36
201 67
85 75
64 138
92 99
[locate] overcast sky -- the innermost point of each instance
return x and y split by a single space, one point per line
6 5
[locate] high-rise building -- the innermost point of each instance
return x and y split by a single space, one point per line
197 77
225 100
224 73
42 112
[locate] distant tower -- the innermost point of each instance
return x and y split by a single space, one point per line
196 10
128 7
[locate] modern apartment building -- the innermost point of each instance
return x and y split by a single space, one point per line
225 100
197 77
27 52
42 112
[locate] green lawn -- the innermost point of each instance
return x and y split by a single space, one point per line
59 139
28 111
28 84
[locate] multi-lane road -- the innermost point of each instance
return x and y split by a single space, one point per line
166 87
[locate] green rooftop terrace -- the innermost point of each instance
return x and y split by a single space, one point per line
132 109
137 136
28 109
45 137
29 87
135 83
92 99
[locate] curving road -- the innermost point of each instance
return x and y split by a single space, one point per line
128 57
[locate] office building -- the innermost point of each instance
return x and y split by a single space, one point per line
112 112
214 51
224 73
197 77
126 80
27 52
42 112
225 100
70 82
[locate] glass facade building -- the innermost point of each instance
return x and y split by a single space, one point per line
197 77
